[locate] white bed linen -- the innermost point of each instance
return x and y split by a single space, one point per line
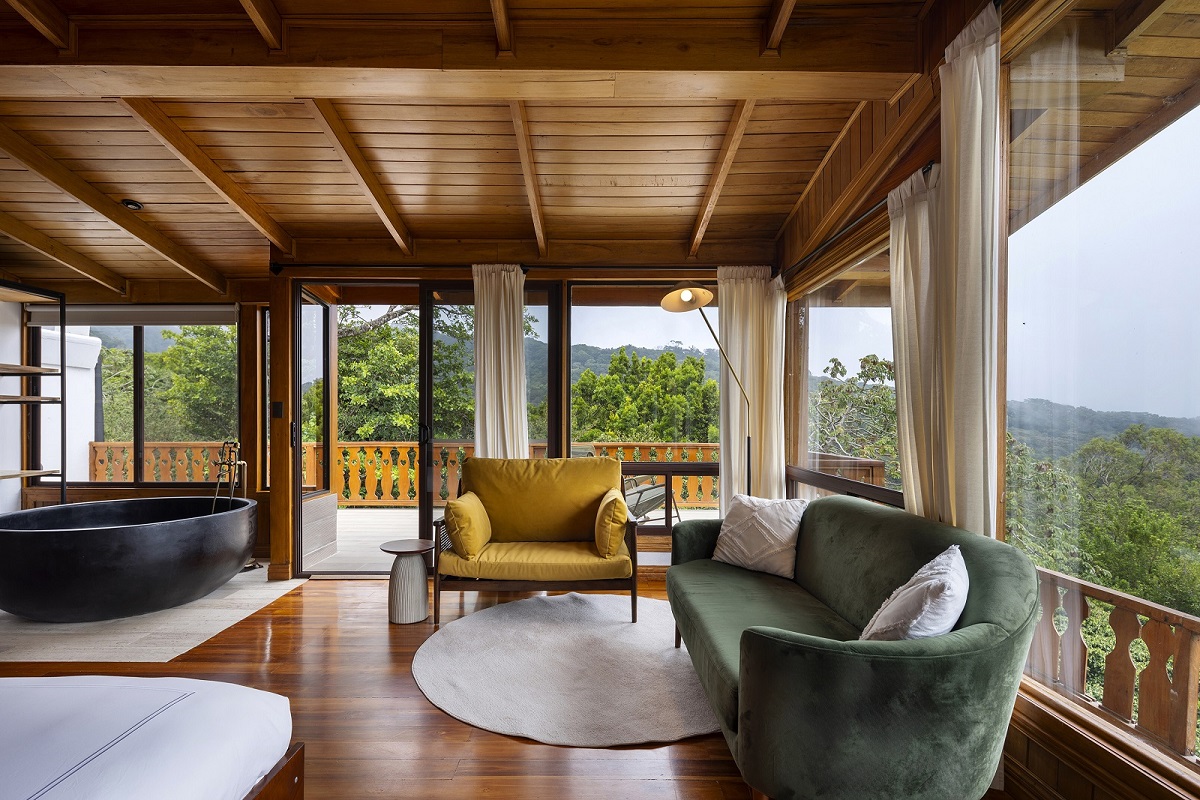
112 738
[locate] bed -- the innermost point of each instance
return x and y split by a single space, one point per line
116 738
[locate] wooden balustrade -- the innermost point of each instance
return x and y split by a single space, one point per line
1160 700
163 462
385 473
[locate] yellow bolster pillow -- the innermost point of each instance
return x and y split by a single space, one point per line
610 523
468 525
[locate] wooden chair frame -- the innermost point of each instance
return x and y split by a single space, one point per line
456 584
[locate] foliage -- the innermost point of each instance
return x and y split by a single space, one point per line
198 383
190 387
640 399
855 415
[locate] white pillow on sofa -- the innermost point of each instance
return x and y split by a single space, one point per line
928 605
761 534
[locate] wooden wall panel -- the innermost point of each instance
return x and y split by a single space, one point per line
873 141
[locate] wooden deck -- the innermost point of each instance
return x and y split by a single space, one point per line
370 732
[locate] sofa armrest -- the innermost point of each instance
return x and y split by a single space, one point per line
876 720
694 539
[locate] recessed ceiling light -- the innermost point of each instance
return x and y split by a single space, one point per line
132 205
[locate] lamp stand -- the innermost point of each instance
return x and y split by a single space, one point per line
745 396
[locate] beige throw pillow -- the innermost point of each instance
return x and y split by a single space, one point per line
467 525
761 534
610 523
928 605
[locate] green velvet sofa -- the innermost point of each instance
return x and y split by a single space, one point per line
810 711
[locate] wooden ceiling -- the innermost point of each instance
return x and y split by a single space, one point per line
570 132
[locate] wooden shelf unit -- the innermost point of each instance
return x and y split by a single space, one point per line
28 473
21 371
30 394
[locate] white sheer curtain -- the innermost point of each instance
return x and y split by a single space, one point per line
752 310
501 406
945 303
914 211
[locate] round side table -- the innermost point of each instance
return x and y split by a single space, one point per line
408 588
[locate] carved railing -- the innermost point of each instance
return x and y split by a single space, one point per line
173 462
1159 701
384 473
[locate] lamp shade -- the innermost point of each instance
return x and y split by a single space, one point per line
685 296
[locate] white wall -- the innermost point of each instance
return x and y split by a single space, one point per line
83 351
10 416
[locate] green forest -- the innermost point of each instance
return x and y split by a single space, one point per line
190 384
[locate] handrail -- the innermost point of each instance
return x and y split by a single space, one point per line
847 486
1160 701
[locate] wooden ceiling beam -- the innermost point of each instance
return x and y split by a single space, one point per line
729 147
164 129
50 170
360 169
529 170
504 32
567 252
49 20
52 248
335 83
777 22
1131 18
266 18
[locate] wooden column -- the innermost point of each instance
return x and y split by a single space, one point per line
283 506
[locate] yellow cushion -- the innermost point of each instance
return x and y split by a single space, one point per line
610 523
468 525
538 561
541 499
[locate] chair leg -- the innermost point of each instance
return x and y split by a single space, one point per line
633 600
678 638
437 600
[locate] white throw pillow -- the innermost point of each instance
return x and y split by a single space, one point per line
761 534
928 605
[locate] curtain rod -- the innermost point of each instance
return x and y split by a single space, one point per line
825 245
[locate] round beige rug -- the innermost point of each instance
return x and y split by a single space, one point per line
567 670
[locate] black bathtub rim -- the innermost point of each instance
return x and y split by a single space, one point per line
239 504
77 574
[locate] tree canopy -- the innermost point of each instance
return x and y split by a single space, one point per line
640 399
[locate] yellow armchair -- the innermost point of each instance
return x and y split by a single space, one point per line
536 524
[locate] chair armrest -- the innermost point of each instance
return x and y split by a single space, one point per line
441 541
876 720
694 539
631 543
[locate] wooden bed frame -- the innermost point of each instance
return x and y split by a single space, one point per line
285 781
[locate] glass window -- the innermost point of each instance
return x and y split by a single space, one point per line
1103 398
645 387
100 392
191 400
852 376
189 385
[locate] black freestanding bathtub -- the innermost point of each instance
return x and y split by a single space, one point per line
88 561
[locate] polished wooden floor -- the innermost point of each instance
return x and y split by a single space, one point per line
369 732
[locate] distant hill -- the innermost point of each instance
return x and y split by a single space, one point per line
121 337
585 356
1053 430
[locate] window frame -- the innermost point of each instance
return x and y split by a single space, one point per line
139 432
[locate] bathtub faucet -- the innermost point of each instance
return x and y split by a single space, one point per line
230 467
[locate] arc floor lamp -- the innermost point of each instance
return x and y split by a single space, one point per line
688 295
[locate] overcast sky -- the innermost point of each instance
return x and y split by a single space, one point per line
1103 287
